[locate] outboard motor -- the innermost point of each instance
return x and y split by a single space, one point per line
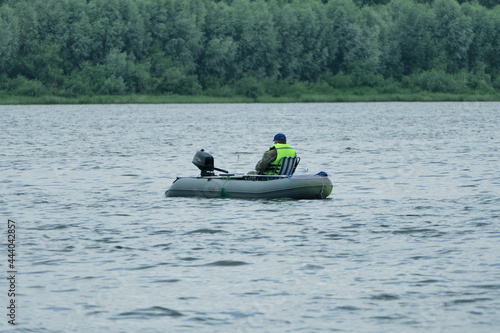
205 162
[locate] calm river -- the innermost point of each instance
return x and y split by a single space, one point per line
408 241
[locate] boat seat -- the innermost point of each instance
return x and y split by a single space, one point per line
288 165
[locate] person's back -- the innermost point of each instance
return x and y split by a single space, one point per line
268 165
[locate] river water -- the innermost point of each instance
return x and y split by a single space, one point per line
408 241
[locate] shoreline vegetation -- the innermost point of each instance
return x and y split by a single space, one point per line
359 96
248 51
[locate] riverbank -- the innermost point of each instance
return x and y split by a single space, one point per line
346 96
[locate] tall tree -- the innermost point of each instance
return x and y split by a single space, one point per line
10 41
347 31
314 51
80 34
255 34
174 31
217 58
413 28
289 46
454 31
108 28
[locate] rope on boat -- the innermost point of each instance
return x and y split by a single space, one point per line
322 193
223 193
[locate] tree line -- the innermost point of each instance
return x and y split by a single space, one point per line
246 47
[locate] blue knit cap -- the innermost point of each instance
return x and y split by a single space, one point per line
280 137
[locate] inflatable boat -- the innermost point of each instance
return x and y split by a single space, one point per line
226 185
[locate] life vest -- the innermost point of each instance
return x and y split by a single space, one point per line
283 150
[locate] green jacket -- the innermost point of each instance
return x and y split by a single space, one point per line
272 156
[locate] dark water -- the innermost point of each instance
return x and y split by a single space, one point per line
409 240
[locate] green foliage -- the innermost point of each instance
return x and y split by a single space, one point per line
434 81
23 86
253 49
278 87
248 87
453 31
9 42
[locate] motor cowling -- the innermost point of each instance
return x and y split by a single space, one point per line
205 162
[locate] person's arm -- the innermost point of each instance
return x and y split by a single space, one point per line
268 157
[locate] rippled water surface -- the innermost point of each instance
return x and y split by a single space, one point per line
409 240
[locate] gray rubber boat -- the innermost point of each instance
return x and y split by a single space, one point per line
209 185
253 187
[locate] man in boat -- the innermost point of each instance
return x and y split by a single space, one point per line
267 165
